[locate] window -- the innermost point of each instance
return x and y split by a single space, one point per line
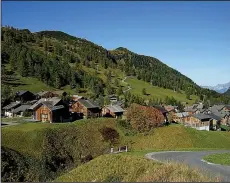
44 115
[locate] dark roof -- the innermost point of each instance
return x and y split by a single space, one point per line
201 116
22 92
88 103
19 93
213 116
21 108
11 105
161 109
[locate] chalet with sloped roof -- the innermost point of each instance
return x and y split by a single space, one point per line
86 108
50 110
24 96
8 109
112 111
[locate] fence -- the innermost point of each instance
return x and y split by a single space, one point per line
119 149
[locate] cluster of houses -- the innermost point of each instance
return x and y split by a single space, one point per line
197 116
48 106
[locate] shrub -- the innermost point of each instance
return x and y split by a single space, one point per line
109 135
143 118
17 168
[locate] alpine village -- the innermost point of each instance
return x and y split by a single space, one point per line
67 101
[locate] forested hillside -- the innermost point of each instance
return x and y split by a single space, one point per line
58 60
227 92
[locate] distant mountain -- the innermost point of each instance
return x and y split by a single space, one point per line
220 88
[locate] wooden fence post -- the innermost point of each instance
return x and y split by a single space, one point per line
111 150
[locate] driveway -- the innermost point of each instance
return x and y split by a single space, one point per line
194 160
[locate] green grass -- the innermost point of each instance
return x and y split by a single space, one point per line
174 137
83 136
31 84
15 119
126 168
154 91
177 137
27 138
220 158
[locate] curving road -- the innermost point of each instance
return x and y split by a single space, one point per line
194 159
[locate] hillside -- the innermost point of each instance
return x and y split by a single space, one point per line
60 147
126 168
227 92
65 62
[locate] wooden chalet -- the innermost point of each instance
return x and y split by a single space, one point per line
191 109
45 94
86 108
50 110
181 117
24 96
8 109
199 121
112 111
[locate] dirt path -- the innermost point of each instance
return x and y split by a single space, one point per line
129 87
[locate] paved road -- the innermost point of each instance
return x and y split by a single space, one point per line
194 159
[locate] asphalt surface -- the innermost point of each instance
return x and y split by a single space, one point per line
194 160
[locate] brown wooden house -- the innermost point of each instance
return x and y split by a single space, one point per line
45 94
112 111
86 108
51 110
24 96
200 121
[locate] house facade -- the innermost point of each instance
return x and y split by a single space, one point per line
199 122
50 110
86 108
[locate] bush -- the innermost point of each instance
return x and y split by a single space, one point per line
143 118
17 168
110 135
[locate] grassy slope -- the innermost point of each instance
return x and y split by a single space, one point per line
126 168
221 158
154 91
28 138
176 137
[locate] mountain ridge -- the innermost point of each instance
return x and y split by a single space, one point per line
220 88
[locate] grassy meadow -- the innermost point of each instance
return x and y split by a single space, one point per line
220 158
157 92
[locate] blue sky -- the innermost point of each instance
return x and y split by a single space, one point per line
192 37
